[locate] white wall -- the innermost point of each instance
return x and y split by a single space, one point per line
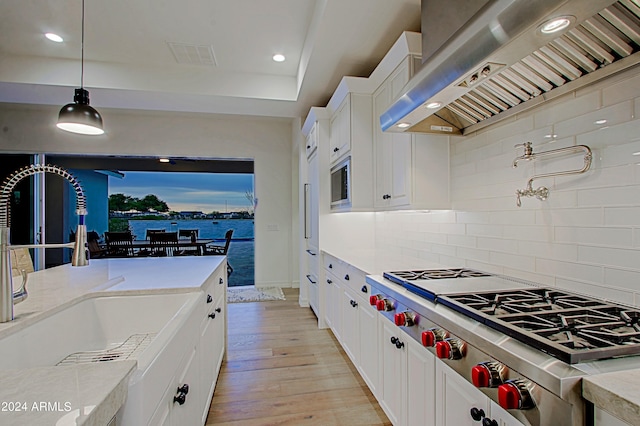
268 141
585 237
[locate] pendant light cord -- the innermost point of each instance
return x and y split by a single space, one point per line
82 51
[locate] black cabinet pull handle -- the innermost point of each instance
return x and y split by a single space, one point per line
336 149
310 252
477 414
310 280
181 397
212 315
218 310
364 289
399 344
346 277
221 281
394 339
331 266
329 281
489 422
354 303
209 298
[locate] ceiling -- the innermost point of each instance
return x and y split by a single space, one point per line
134 51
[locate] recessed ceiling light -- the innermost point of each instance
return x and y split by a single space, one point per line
278 57
554 25
433 105
403 125
54 37
164 160
600 122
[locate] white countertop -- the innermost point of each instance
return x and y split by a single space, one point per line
617 393
375 262
86 394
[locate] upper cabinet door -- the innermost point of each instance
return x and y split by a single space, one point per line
312 140
340 133
411 170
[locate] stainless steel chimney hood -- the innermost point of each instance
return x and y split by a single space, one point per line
500 62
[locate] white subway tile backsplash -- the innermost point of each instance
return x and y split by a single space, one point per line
617 92
612 196
528 232
485 230
474 254
571 217
622 216
497 244
615 237
586 122
602 292
548 250
610 136
622 278
570 270
615 257
523 263
462 241
564 108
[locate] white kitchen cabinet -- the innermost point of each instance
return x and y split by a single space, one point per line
340 131
369 347
333 294
312 140
411 171
180 402
456 397
212 338
349 306
393 347
311 204
350 136
314 204
421 371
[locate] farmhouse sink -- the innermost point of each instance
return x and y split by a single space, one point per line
99 329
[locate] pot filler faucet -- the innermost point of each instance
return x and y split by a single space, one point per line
7 296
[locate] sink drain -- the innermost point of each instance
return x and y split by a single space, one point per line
129 349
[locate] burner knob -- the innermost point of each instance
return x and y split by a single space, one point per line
515 395
449 349
404 319
433 335
384 305
374 299
487 375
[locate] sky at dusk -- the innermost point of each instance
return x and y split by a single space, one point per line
205 192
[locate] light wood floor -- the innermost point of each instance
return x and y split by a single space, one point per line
282 370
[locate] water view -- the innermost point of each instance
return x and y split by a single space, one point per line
241 249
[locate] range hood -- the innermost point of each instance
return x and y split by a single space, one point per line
499 62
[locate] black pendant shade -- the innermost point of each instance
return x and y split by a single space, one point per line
80 117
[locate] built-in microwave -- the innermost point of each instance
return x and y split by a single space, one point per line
341 184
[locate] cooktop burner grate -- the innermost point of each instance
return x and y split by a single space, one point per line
571 327
401 277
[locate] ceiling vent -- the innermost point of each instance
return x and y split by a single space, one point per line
193 54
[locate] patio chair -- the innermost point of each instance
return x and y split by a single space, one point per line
216 250
119 244
163 243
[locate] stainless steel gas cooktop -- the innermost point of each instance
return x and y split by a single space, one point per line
568 326
571 327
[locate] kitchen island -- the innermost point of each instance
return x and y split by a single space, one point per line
92 393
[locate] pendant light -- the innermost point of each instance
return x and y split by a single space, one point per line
79 117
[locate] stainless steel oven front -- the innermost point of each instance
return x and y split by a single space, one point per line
341 184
